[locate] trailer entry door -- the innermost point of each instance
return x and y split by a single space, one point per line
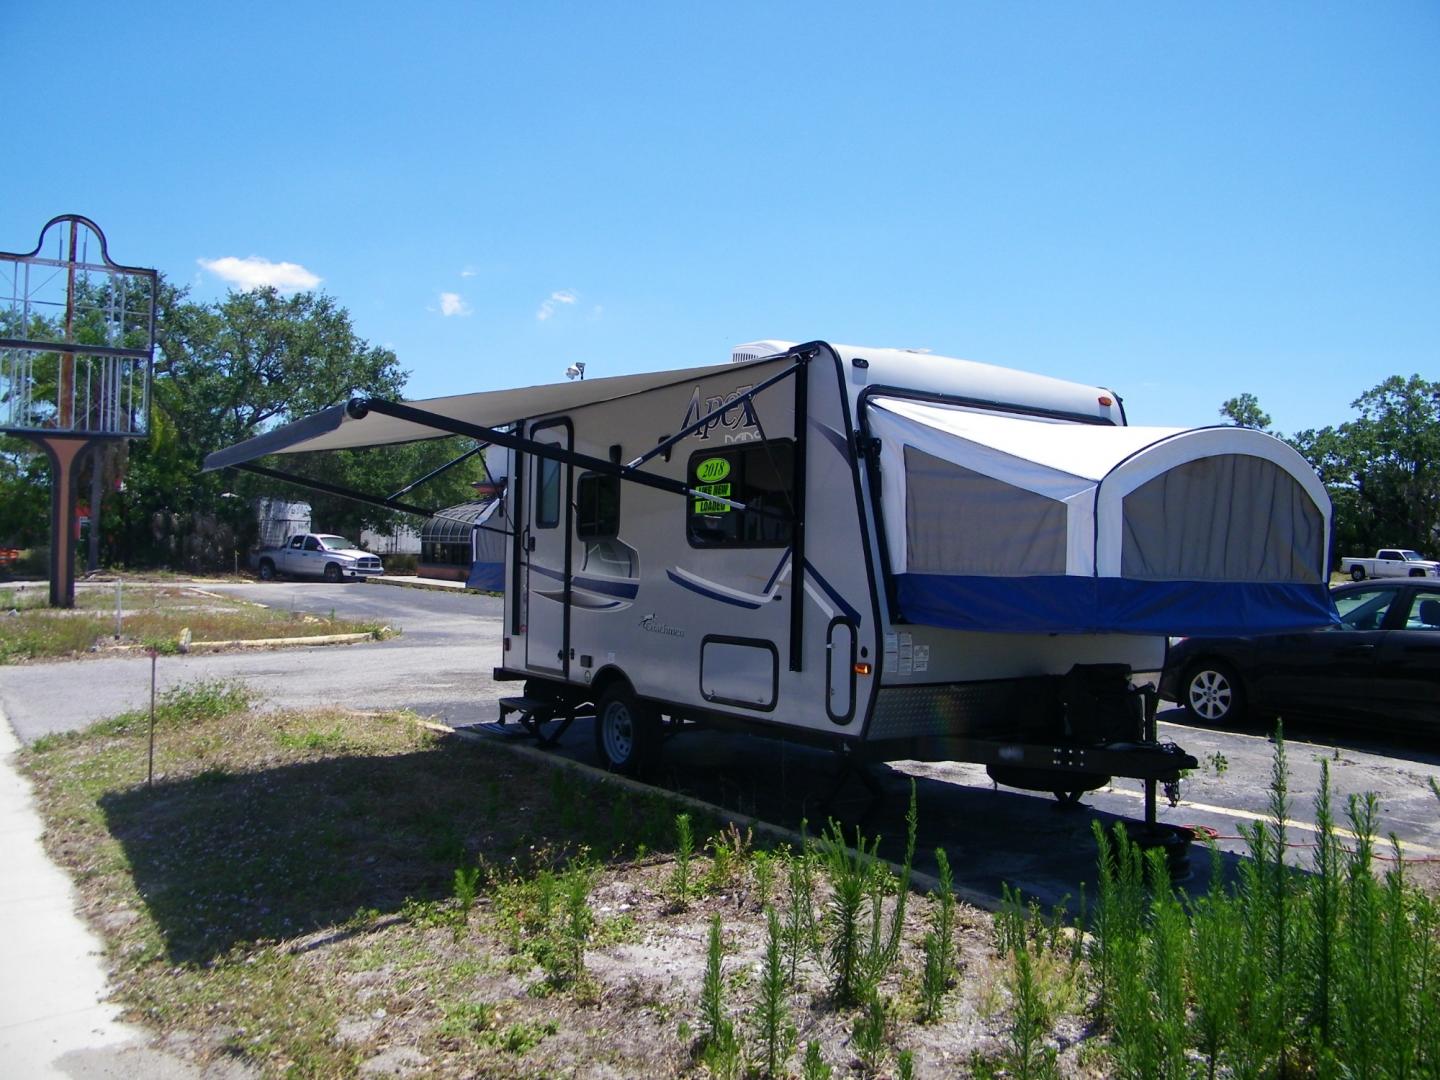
547 553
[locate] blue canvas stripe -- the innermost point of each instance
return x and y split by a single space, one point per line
1087 605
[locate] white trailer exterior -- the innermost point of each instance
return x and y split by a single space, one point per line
887 552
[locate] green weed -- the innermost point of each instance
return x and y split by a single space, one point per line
680 872
773 1031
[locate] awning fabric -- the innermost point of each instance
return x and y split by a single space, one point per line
335 429
1022 525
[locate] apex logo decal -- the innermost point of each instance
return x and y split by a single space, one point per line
738 419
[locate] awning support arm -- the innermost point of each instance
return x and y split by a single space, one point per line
358 407
436 472
684 433
333 489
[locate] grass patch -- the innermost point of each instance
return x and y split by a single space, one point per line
314 892
152 617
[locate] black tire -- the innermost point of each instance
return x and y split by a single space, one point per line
1213 694
332 572
627 732
1357 573
1417 573
267 570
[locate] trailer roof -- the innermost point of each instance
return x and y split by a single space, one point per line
335 429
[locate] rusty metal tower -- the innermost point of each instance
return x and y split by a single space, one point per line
77 347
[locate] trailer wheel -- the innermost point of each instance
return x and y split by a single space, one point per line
1357 573
267 570
332 572
627 732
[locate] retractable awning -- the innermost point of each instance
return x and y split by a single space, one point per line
1003 523
336 429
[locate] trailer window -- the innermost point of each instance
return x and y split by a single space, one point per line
547 498
761 477
597 504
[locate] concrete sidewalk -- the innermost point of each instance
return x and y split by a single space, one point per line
53 1019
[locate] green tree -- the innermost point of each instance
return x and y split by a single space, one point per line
1382 469
24 494
1245 411
233 369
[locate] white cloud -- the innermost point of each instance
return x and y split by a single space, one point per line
257 273
451 304
549 307
469 271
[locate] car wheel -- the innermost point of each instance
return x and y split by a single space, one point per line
267 570
1214 694
1357 573
332 572
627 732
1417 573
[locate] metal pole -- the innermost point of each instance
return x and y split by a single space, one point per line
150 769
117 608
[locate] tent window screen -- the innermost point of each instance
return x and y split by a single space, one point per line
958 521
759 475
547 494
1225 518
597 500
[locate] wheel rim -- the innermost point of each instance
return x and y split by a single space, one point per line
1357 574
618 731
1211 694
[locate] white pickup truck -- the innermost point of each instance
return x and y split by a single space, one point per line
1390 562
321 555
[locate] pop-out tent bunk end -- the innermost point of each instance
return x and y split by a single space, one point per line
995 523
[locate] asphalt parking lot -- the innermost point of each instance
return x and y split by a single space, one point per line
440 666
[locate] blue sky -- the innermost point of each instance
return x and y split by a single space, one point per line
1182 202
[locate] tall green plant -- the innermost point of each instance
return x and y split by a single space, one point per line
939 944
1215 943
774 1032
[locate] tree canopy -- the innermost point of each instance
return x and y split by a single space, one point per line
1382 469
226 371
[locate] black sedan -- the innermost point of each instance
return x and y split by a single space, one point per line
1382 662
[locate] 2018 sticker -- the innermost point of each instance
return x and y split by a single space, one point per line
712 469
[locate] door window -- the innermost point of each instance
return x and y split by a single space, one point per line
547 498
1364 609
1424 612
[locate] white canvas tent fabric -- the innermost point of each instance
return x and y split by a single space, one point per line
996 522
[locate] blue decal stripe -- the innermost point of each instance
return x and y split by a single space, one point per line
835 439
709 593
779 569
626 590
835 598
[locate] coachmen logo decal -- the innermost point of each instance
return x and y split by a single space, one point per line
651 625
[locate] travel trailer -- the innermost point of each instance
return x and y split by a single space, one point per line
890 553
